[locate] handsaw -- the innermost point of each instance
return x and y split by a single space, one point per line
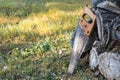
82 37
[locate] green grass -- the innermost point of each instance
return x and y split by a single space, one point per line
34 39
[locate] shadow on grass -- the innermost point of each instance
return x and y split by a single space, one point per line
23 8
6 48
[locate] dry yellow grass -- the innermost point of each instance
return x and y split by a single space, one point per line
41 24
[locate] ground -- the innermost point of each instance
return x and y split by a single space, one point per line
34 40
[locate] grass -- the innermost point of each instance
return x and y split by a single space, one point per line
34 39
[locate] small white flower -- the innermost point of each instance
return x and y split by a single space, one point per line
60 52
5 67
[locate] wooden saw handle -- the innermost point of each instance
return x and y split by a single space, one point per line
88 26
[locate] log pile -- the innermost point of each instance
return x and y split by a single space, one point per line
105 41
